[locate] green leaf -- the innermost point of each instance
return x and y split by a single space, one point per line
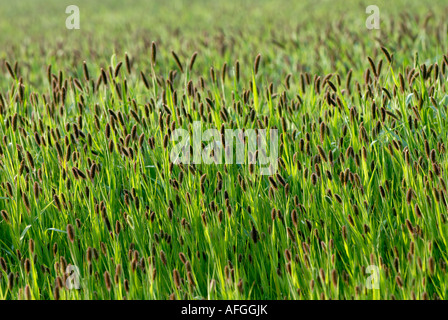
24 232
57 230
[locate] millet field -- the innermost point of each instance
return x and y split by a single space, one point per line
93 207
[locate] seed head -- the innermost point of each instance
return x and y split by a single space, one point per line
192 60
431 265
399 281
163 257
71 233
5 216
107 280
418 212
257 63
176 278
153 53
179 64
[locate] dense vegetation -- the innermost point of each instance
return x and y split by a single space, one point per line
86 178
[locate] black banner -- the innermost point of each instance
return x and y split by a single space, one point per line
234 309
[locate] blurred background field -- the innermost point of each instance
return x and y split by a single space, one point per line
292 35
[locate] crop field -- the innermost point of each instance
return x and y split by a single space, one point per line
119 180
